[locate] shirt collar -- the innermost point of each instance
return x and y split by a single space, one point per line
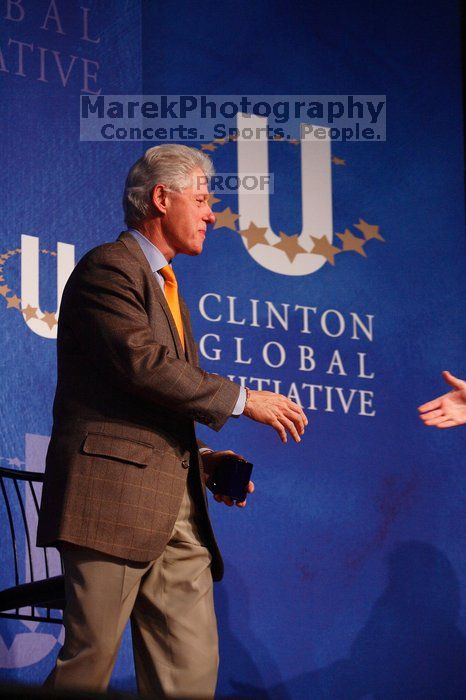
155 257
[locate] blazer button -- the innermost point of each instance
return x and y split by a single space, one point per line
185 464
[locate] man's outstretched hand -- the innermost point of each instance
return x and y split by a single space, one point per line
211 460
448 410
277 411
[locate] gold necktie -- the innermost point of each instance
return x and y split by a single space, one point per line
171 294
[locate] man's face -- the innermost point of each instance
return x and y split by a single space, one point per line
187 215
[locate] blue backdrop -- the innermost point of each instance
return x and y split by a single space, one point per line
346 574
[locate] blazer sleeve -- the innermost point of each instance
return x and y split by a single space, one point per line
103 302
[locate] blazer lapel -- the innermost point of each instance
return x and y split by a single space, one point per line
191 352
134 248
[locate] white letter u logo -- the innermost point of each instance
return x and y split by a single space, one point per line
316 189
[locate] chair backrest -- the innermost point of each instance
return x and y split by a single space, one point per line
21 492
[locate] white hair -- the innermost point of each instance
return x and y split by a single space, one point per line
170 164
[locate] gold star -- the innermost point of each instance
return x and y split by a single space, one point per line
49 319
369 230
254 235
277 137
209 147
338 161
4 289
295 142
212 200
13 302
53 253
289 245
44 250
322 246
29 312
226 218
351 242
220 141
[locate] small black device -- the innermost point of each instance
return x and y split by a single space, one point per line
231 478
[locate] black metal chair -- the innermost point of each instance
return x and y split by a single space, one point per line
39 588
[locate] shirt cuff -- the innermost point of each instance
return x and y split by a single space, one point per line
240 404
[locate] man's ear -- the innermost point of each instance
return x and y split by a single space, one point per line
159 198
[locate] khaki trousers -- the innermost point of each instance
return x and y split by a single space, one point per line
170 603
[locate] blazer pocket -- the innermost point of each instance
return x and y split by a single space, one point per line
115 447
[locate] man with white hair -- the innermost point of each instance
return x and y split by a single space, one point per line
124 492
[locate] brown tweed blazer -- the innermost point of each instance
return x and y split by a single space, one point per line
123 441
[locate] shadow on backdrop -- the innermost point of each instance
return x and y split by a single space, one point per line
410 647
231 646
